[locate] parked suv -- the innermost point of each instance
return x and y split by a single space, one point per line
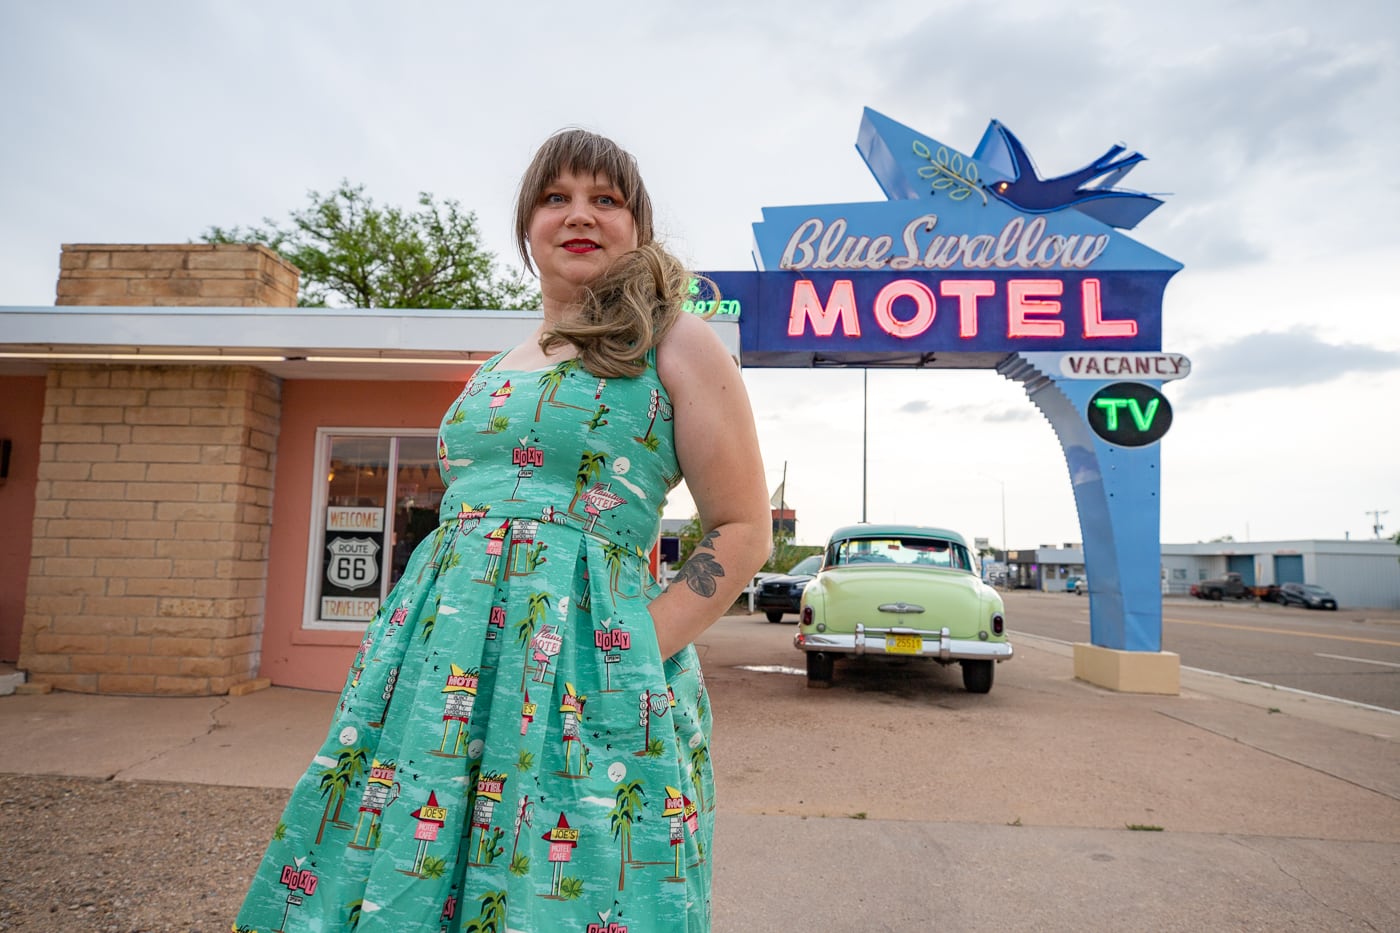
783 593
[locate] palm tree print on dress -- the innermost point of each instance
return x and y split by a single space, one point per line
438 537
348 767
550 383
525 628
590 465
659 408
627 807
457 708
492 918
426 625
381 790
699 759
613 555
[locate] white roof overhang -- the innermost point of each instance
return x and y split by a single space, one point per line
292 343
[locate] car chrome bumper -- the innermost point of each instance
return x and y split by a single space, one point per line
940 644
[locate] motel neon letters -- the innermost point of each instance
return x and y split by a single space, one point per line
1033 308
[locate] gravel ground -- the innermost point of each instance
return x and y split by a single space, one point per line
128 857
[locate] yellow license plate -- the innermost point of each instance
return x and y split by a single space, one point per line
904 644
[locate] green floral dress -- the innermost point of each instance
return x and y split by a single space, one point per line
510 751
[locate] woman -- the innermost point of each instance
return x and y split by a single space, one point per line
523 740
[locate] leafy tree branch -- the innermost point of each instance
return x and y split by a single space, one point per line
352 252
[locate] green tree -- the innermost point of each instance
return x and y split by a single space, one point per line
785 554
690 536
352 252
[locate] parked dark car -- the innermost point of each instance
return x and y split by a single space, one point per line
1306 594
783 593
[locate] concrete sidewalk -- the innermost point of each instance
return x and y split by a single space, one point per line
904 804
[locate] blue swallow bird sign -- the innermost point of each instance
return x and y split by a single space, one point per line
975 261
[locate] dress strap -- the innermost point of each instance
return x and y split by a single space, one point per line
491 362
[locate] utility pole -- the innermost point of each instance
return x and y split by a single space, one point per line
1376 525
864 438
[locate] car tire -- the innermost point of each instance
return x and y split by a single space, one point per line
978 675
774 616
819 668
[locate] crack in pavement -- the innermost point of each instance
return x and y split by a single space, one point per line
214 725
1279 755
1302 885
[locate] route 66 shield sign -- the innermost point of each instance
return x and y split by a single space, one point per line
354 563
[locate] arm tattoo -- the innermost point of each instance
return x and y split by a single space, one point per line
700 570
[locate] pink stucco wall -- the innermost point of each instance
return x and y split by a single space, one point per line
21 421
293 656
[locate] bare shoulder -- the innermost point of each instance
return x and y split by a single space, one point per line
692 351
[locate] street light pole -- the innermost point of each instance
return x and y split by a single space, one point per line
864 438
1003 520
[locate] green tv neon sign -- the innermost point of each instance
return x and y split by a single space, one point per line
1129 414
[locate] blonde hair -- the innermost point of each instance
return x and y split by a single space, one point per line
627 310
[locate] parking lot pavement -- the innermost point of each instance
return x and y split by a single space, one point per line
897 801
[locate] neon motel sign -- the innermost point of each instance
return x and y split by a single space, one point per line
970 254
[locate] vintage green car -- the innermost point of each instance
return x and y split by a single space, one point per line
901 591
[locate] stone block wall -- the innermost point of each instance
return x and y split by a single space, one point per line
213 275
152 521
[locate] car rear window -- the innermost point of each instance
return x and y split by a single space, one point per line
905 551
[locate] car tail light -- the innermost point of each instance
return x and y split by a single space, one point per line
998 624
806 615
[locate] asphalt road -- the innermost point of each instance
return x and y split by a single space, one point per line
1349 654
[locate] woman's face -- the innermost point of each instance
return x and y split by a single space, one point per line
579 227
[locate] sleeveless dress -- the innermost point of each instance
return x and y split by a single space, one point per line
510 751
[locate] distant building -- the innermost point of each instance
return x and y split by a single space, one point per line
1358 573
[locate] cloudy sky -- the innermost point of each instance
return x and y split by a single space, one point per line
1270 126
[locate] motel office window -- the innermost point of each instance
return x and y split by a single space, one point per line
376 496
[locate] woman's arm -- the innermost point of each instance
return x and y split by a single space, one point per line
717 447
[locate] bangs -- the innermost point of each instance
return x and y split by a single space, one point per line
581 153
587 154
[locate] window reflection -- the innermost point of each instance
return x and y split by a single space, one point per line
363 544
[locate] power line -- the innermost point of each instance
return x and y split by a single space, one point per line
1376 525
